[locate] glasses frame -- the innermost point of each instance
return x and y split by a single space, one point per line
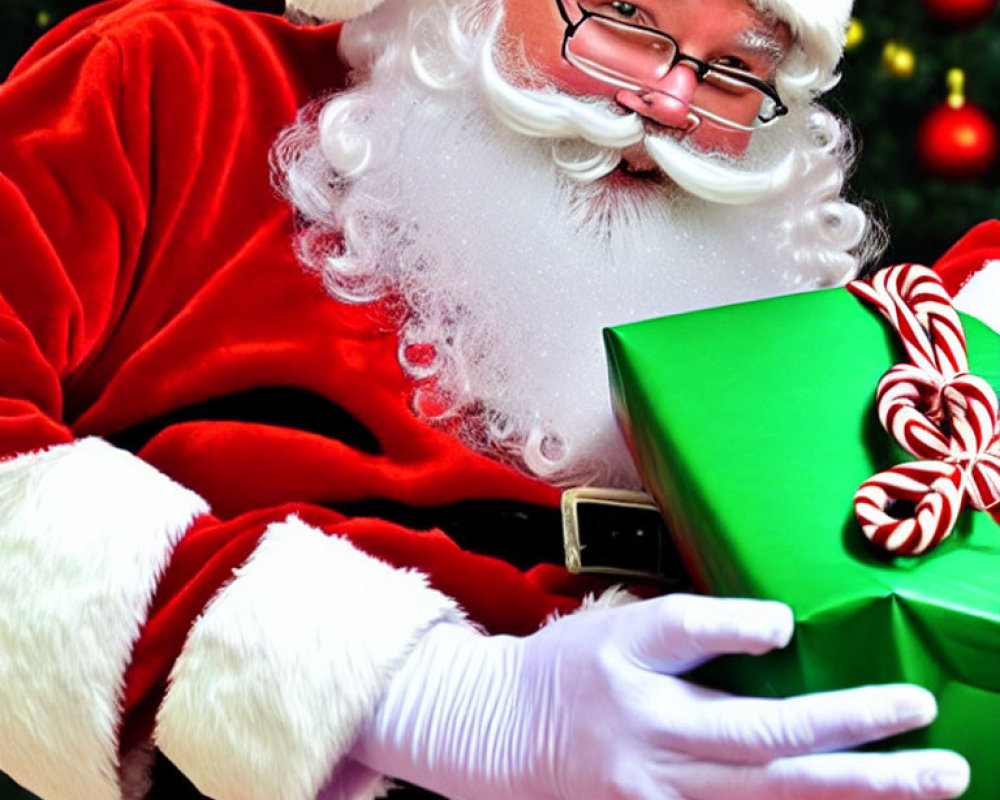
701 68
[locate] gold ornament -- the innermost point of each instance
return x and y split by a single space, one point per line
898 60
956 88
855 34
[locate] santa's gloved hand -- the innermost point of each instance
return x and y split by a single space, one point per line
590 707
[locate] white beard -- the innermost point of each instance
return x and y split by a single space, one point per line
512 270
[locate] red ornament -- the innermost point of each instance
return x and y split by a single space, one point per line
960 12
957 140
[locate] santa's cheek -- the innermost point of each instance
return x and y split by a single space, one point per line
566 78
581 85
711 139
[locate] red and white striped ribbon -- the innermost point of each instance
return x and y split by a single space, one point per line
936 410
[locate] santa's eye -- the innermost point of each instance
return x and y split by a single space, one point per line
625 9
630 13
732 62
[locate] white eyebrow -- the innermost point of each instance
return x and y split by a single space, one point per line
763 42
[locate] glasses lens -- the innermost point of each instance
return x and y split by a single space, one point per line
639 58
621 54
732 98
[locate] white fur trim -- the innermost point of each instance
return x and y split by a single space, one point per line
612 597
980 296
287 661
819 27
330 10
85 532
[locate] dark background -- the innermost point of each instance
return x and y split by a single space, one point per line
925 213
885 100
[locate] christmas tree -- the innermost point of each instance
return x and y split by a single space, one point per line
928 165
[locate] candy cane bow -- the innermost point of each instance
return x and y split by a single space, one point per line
936 410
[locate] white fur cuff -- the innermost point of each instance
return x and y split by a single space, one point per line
980 296
85 532
287 661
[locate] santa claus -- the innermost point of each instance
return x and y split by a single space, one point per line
288 527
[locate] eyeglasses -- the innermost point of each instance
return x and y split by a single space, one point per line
637 58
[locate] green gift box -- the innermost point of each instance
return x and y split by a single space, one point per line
753 426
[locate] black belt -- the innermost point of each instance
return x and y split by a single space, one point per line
597 531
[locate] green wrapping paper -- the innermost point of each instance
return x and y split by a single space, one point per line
753 426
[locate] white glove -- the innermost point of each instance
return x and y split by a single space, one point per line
589 708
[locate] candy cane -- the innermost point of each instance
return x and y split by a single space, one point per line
931 487
917 305
936 410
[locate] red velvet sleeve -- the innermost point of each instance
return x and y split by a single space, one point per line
147 270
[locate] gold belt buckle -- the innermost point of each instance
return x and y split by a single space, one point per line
591 517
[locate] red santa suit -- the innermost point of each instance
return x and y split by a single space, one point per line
195 436
150 297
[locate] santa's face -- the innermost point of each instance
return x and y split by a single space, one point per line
729 34
498 215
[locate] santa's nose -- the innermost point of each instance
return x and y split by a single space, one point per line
668 103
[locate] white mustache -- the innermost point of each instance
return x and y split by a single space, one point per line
551 115
559 116
715 182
